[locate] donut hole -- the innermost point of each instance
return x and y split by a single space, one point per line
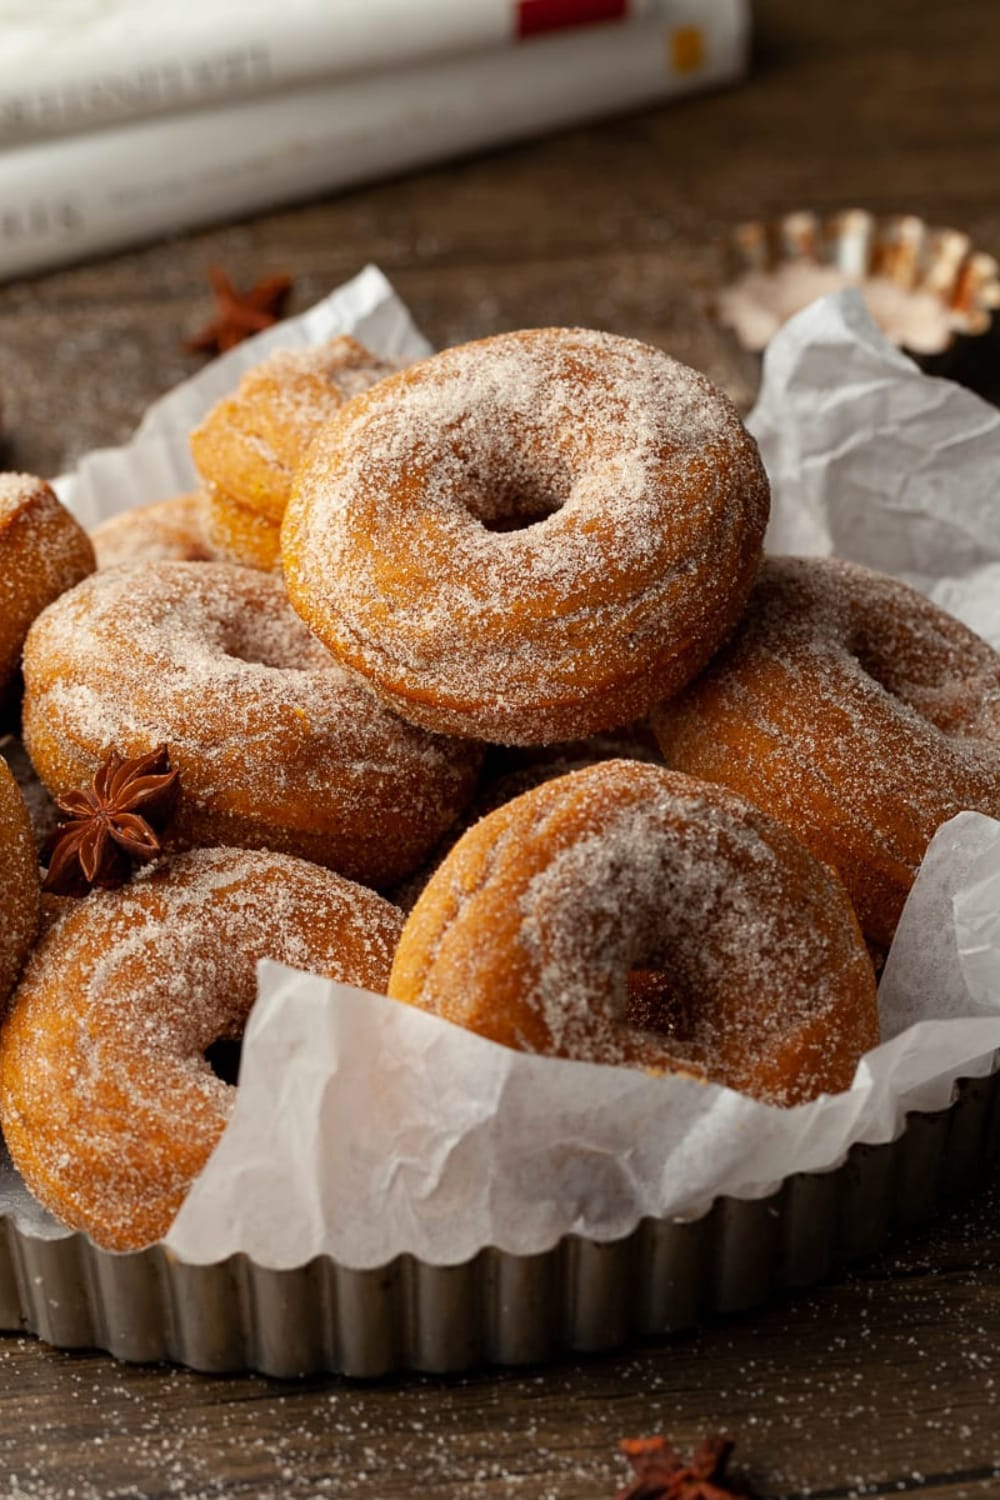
946 701
264 640
876 664
515 500
655 1002
523 514
895 665
223 1057
262 658
621 917
676 984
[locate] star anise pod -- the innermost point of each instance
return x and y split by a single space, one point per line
239 314
661 1474
111 823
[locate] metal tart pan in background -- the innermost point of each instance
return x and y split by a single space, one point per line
900 248
583 1295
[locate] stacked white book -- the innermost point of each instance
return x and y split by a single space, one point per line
121 120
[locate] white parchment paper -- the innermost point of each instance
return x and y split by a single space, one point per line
364 1128
157 462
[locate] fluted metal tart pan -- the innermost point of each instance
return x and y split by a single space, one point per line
581 1295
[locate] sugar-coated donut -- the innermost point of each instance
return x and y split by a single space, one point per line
855 711
238 534
107 1102
248 446
277 747
43 551
625 893
528 538
19 886
169 531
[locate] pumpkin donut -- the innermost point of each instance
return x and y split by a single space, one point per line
247 447
627 914
108 1104
238 534
169 531
19 886
855 711
277 747
528 538
43 551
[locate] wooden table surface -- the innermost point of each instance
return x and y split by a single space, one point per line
884 1383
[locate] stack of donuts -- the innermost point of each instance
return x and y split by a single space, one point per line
481 694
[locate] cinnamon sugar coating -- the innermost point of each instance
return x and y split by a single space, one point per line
248 446
277 747
19 885
107 1102
528 538
856 712
43 551
627 914
238 534
169 531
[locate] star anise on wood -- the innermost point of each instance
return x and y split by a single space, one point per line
239 314
110 824
661 1474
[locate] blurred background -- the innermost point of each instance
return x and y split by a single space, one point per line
310 139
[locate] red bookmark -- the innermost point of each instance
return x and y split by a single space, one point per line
534 16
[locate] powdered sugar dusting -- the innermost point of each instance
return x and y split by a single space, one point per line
266 730
510 773
632 885
635 493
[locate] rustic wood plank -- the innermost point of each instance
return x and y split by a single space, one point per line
882 1383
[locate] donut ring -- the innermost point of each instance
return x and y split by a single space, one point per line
528 538
43 551
855 711
619 880
108 1104
276 746
19 889
248 446
169 531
